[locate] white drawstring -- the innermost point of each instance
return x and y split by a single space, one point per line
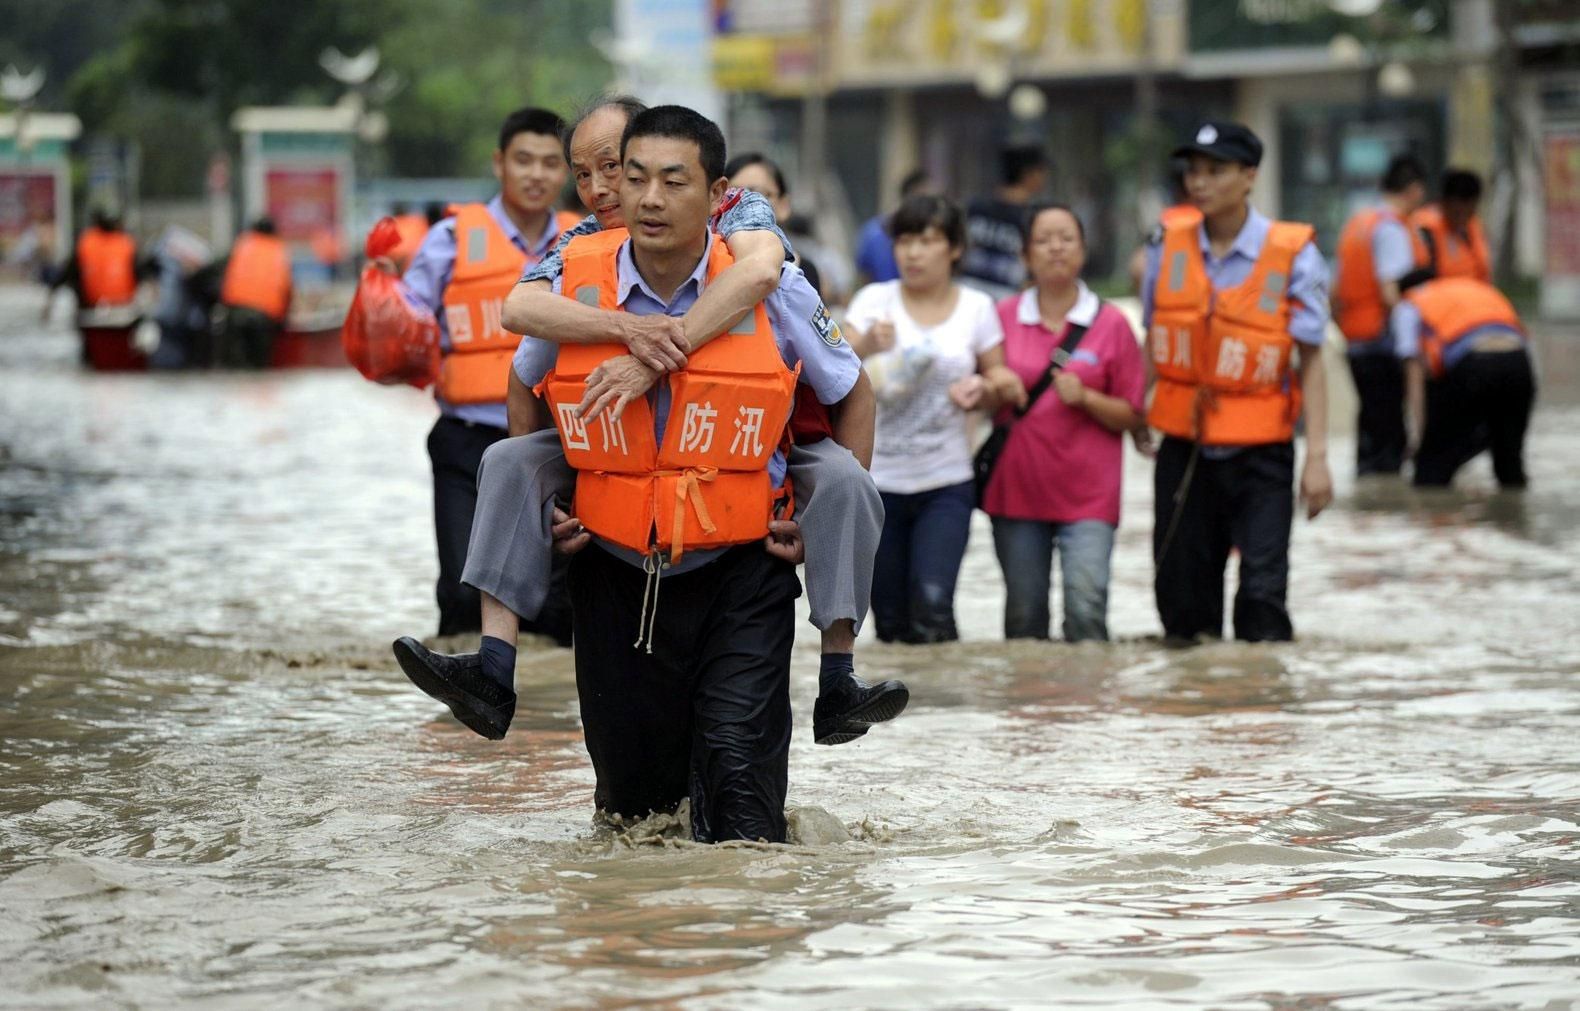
649 619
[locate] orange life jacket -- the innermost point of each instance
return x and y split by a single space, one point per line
1180 215
476 369
1452 308
412 228
1222 357
107 263
258 275
1452 255
707 485
1358 307
566 220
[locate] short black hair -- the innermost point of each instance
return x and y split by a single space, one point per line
1404 171
530 120
926 210
1461 184
630 105
914 180
676 122
1017 162
264 225
1036 210
751 158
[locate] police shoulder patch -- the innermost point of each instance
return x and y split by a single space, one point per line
826 328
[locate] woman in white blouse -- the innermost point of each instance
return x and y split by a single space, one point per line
934 351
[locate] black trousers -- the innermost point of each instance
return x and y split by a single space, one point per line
456 449
1379 431
1484 402
247 339
1245 501
706 714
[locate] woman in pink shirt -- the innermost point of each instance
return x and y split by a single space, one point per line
1057 481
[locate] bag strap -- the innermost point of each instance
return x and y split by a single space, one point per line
1060 358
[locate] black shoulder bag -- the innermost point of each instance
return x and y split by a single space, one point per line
987 456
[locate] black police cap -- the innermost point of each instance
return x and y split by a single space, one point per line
1224 141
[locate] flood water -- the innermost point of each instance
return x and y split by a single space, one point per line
217 789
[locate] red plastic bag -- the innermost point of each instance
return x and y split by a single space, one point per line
386 338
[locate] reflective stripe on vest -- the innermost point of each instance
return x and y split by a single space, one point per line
707 484
476 368
258 275
1452 308
1223 357
106 261
1452 255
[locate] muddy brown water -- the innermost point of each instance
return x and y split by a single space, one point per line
216 789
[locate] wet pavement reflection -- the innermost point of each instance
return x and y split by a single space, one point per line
216 787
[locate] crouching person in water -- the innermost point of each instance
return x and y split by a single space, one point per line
1468 379
836 501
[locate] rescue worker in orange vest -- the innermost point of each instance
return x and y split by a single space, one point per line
1451 231
518 526
683 622
1468 378
463 270
1378 257
104 267
1235 311
256 294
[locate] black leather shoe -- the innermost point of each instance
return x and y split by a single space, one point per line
459 682
845 714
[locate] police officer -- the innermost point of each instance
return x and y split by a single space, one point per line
1235 310
1455 244
461 273
1468 378
1379 257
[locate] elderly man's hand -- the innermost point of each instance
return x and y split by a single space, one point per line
784 541
659 342
569 536
613 385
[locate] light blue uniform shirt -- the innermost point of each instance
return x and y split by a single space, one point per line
1393 256
802 329
1308 285
429 274
1406 323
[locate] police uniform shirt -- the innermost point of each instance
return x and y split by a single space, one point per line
803 331
1406 323
1308 283
429 273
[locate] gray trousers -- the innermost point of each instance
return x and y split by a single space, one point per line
837 505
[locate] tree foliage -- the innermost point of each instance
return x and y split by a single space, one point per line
168 74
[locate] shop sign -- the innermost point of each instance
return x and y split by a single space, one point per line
1221 25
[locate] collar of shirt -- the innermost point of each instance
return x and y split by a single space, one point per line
630 284
536 249
1082 313
1248 244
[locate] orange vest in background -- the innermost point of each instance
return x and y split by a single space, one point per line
1222 357
566 220
107 263
1452 308
707 485
1452 255
1180 216
1358 307
258 275
413 228
476 368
